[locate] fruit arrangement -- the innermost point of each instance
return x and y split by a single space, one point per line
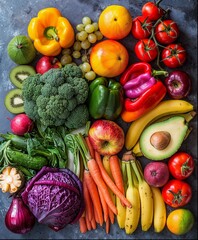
67 157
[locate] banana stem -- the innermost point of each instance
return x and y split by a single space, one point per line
129 175
137 172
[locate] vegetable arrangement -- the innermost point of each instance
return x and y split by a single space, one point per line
63 160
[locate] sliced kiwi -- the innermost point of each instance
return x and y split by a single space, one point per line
14 102
19 73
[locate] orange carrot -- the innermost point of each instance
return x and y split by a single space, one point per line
88 223
96 216
82 225
107 226
116 172
91 150
93 223
92 188
88 202
96 175
111 216
109 181
104 205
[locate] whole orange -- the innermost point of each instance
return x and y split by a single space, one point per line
115 22
109 58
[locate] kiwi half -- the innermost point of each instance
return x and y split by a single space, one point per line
19 73
13 101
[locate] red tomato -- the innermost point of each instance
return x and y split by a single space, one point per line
141 27
166 32
174 55
152 11
181 165
146 50
176 193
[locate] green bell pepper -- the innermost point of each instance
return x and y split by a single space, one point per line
105 98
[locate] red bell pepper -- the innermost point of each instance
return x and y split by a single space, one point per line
134 109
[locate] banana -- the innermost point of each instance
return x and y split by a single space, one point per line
146 199
132 194
159 215
121 213
188 117
164 108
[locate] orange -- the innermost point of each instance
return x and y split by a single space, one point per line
180 221
109 58
115 22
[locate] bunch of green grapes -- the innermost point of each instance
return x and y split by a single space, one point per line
87 34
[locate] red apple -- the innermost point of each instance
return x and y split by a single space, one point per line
106 137
45 63
156 174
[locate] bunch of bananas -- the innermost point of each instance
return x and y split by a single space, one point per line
147 203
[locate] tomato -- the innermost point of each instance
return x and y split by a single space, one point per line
152 11
181 165
176 193
180 221
115 22
146 50
174 55
166 32
141 27
109 58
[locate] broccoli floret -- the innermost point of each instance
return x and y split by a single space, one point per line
78 117
56 97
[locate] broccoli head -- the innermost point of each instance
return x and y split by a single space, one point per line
55 98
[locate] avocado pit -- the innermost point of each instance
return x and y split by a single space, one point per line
160 140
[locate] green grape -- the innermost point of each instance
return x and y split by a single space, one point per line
65 59
82 36
89 28
95 24
80 27
85 44
76 54
92 38
86 67
77 46
91 75
98 35
86 20
66 51
85 58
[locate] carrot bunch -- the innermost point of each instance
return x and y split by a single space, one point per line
98 187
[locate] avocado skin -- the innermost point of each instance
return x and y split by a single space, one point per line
176 126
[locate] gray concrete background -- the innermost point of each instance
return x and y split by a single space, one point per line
14 18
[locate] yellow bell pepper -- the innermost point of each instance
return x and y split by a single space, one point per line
51 32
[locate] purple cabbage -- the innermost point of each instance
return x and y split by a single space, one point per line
55 197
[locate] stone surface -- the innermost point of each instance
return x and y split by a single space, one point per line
14 18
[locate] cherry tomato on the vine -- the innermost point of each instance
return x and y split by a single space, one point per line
181 165
174 55
166 32
146 50
152 11
141 27
176 193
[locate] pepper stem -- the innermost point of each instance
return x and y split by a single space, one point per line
159 72
51 33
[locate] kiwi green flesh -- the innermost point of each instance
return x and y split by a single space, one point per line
14 102
19 73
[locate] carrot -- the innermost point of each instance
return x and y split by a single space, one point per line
114 163
111 216
91 150
82 225
107 226
88 223
109 181
104 205
96 175
88 201
96 216
93 223
92 188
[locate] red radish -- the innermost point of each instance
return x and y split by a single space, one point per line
21 124
156 174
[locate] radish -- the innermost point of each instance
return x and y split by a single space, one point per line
21 124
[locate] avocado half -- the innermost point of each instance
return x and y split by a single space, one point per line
174 129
